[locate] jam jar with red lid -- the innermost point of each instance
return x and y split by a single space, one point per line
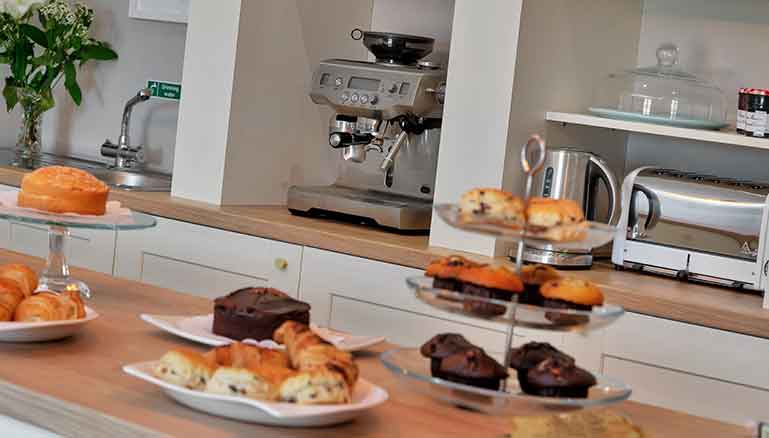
753 107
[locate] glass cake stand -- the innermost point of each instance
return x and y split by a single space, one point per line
414 369
56 275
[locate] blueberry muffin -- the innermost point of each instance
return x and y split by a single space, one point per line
559 220
493 206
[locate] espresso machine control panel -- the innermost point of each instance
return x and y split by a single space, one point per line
355 88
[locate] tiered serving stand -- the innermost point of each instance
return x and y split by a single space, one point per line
415 369
56 275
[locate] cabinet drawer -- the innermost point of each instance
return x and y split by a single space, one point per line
205 261
690 393
707 352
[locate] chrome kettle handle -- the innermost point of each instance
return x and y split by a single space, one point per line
611 184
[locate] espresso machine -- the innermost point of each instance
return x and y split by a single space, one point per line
386 127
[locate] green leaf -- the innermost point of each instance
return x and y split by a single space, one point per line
22 51
97 52
10 95
70 83
34 34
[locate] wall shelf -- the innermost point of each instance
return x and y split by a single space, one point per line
725 137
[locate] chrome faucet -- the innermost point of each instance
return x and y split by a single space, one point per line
127 156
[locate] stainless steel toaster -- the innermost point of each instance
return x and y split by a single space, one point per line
695 227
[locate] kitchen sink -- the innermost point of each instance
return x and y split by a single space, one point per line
139 181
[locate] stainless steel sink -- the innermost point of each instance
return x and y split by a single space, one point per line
139 181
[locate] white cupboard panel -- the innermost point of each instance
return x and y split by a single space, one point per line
12 428
689 393
205 281
175 11
206 261
690 348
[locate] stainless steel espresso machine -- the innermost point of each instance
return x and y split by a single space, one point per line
387 129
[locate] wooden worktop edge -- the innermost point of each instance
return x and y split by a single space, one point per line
65 418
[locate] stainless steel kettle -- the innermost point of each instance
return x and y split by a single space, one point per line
573 174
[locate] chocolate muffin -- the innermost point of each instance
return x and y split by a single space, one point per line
255 313
441 346
445 272
570 293
495 282
533 276
531 354
473 367
559 377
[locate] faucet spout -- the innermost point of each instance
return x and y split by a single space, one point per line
125 127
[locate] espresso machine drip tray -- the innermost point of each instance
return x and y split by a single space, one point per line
388 210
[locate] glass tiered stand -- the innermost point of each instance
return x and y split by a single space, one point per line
56 275
414 369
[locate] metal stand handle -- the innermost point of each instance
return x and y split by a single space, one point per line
532 160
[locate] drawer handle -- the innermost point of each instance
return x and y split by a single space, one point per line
281 264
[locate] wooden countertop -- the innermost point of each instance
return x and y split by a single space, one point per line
666 298
76 387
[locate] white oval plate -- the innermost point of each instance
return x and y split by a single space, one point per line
198 329
365 396
44 331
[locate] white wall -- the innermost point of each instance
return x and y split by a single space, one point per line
148 50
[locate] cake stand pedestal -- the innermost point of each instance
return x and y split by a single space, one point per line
56 276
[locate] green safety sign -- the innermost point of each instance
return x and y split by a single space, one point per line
165 90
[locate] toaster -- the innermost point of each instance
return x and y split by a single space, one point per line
695 227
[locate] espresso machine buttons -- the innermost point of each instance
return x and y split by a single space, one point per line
363 99
374 100
338 81
345 97
354 98
393 88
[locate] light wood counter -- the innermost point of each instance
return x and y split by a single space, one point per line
76 387
666 298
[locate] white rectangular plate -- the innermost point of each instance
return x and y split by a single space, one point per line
365 396
44 331
198 329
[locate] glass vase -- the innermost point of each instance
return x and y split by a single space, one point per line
29 143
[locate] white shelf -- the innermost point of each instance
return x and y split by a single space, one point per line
725 137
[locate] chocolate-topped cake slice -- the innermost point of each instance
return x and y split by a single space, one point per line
256 312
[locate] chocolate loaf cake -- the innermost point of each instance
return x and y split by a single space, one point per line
255 313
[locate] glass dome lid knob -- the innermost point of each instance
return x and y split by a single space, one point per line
667 55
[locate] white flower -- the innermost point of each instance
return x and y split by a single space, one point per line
17 8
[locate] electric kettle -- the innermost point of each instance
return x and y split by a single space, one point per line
573 174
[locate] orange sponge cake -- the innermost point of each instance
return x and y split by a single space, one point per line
59 189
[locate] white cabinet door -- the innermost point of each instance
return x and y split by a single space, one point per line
12 428
92 249
699 370
367 297
205 261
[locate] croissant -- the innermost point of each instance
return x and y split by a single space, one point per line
10 297
257 382
40 308
296 336
21 274
72 306
308 352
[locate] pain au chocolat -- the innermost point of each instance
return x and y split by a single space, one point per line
59 189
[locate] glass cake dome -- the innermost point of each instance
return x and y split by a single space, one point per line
662 94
